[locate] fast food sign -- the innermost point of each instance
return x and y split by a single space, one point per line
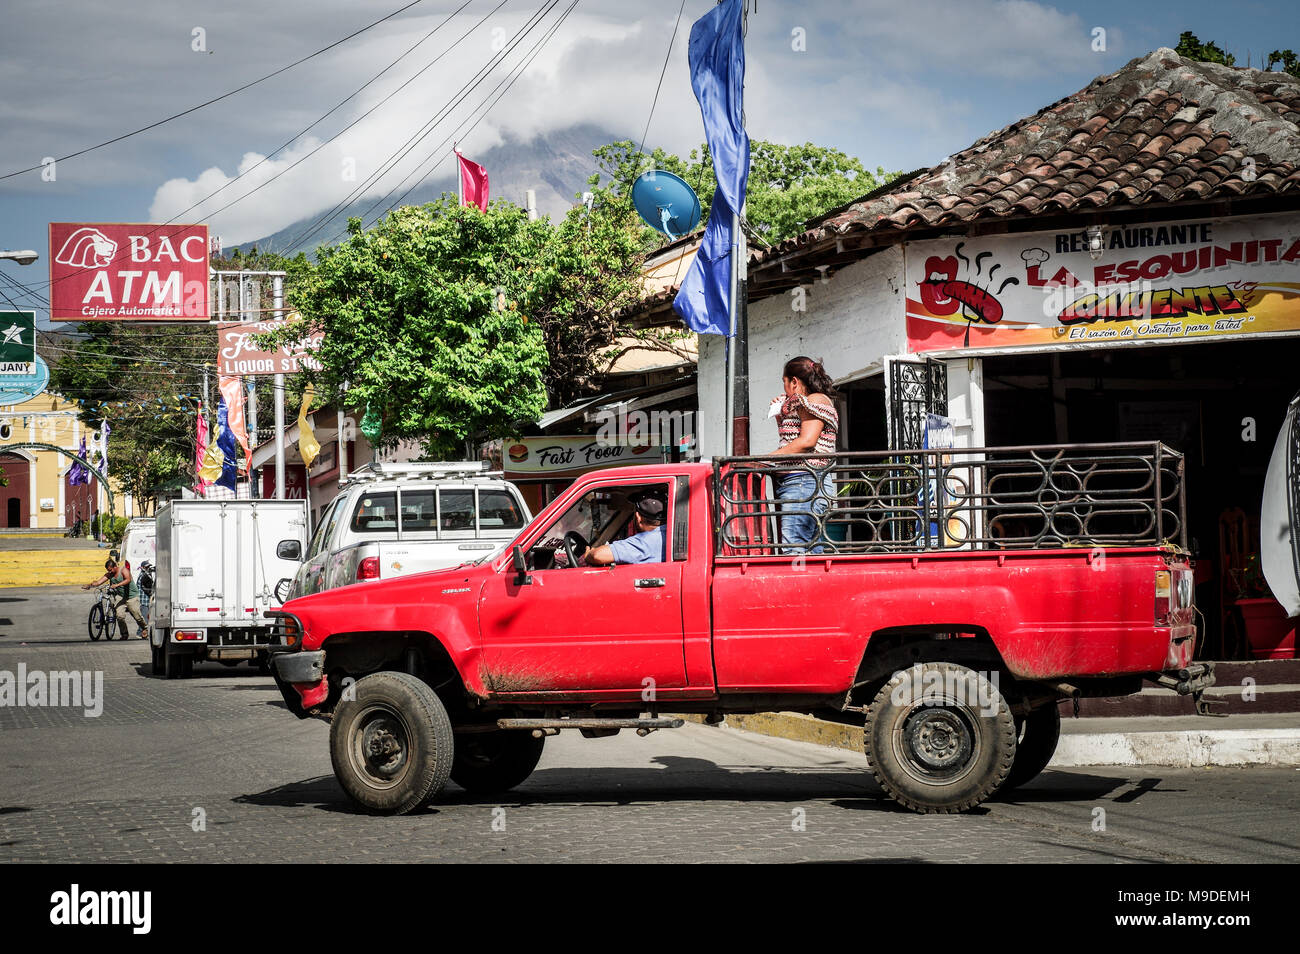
238 352
1187 280
128 272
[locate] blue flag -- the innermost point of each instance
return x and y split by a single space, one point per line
716 54
226 441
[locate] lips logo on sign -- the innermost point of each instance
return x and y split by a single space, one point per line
87 248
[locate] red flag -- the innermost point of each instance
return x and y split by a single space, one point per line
232 389
473 183
201 488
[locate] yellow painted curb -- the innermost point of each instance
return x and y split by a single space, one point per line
50 567
795 726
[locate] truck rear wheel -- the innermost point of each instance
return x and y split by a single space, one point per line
490 762
177 665
391 745
1037 736
939 737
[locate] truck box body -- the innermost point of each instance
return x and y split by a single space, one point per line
217 565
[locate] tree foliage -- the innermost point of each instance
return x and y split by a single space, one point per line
788 185
421 318
135 377
1190 46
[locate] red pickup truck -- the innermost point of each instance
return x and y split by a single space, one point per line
950 601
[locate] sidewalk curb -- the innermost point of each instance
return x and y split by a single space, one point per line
1178 749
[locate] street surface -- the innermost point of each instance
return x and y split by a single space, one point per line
215 769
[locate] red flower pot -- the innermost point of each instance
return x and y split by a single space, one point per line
1270 632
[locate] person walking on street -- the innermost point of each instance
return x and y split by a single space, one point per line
807 422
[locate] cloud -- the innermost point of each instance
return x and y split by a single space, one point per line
897 88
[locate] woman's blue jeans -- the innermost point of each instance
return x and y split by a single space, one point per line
803 498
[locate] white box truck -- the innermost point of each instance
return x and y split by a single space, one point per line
216 573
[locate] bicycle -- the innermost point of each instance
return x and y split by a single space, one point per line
103 616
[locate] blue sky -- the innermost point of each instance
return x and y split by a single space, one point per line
899 85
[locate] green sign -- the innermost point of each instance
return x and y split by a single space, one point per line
18 343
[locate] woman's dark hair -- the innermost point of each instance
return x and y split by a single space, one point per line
812 375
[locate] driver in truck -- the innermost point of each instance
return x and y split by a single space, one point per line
648 545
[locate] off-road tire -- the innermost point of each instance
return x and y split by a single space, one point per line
1037 736
488 763
391 745
936 752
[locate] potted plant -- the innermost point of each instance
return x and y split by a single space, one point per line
1269 632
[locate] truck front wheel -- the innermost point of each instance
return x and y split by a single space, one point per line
939 738
487 763
391 744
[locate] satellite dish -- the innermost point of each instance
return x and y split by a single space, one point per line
666 203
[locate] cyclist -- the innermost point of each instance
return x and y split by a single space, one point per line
120 578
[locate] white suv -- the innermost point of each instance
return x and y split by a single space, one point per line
395 519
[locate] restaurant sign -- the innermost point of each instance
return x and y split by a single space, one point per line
1211 278
238 352
556 457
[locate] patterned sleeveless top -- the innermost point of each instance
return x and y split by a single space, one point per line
788 425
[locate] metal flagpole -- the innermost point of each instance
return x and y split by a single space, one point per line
730 442
460 180
277 303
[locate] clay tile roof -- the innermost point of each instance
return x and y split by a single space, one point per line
1161 129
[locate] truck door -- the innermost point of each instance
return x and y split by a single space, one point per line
576 628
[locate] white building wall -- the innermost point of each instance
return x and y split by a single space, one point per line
849 322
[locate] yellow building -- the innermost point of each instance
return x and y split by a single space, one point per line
38 495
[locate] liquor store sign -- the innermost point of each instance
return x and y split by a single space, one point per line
239 353
128 272
1178 280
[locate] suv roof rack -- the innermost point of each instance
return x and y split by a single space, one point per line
433 470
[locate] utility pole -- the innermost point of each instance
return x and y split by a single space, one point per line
277 303
738 344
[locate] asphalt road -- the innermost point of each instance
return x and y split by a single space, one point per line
215 769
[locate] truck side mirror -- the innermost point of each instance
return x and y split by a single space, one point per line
521 568
288 550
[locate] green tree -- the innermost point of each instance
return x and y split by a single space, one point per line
1192 48
422 319
141 379
788 185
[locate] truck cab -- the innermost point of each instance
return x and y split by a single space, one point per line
396 519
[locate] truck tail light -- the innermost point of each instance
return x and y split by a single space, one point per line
188 635
368 569
1164 591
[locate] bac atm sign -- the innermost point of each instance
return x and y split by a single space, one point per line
128 272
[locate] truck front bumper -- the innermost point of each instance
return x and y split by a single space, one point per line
301 667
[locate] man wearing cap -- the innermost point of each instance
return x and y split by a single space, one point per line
648 545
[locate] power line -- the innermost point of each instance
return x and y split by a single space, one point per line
216 99
403 150
461 131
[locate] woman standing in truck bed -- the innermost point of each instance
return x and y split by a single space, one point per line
807 422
